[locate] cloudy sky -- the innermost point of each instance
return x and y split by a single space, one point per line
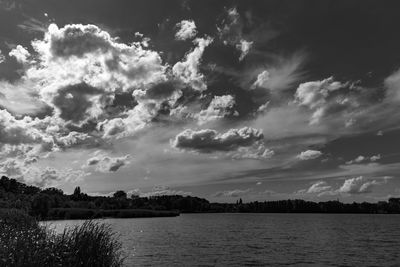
261 100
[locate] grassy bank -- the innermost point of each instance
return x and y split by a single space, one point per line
23 242
78 213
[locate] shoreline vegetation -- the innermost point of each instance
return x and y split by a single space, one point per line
25 242
54 204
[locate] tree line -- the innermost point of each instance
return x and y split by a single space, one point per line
53 203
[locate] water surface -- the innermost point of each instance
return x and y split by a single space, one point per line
259 239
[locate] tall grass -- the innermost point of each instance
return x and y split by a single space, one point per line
23 242
90 244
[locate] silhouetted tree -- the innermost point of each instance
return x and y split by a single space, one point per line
77 191
120 194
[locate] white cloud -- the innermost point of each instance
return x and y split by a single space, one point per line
361 159
20 53
313 94
244 46
375 157
358 159
262 79
42 177
219 107
309 154
188 70
2 57
187 30
279 76
15 132
357 185
318 187
392 83
317 96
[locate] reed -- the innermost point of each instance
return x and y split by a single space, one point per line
23 242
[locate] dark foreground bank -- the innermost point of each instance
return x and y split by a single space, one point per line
23 242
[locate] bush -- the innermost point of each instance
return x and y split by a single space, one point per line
23 242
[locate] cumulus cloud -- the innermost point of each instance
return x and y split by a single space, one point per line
358 185
18 99
20 53
188 70
85 67
208 140
361 159
325 98
351 186
219 107
232 193
313 94
309 154
74 76
105 163
318 187
15 132
187 30
78 71
262 79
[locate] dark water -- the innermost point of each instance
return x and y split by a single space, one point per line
259 240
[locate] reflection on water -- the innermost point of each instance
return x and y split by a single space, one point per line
259 239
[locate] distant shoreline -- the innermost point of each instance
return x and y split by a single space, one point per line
83 214
54 204
135 213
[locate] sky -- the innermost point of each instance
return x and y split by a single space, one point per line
259 100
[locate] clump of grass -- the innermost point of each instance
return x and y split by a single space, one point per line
90 244
23 242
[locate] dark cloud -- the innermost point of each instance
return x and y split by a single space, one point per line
163 90
73 102
210 140
105 163
77 40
